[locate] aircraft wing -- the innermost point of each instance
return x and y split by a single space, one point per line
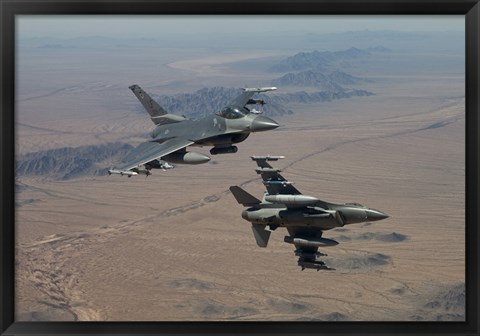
151 150
275 183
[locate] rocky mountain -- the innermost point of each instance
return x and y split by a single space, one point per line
319 60
343 78
305 69
320 70
211 100
326 82
448 305
320 96
308 78
379 48
67 162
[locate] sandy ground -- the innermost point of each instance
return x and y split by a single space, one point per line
174 247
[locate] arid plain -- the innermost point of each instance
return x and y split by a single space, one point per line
174 247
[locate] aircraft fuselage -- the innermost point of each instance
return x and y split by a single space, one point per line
214 130
337 215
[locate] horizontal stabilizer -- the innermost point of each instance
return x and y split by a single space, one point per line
167 119
261 235
244 197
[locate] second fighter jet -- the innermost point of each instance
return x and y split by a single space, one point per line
304 217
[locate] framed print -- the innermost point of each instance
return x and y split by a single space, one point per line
239 168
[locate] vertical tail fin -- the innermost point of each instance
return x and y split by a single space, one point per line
152 107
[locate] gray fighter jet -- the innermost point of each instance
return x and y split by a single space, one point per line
173 133
305 217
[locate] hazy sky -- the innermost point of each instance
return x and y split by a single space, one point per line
62 26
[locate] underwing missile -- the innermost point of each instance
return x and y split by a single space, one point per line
267 170
122 172
283 183
318 265
142 171
312 255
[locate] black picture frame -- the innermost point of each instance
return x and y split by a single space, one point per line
10 8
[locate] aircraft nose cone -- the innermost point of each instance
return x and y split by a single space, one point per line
375 215
245 215
262 123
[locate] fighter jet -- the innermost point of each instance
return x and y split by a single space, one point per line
173 133
304 217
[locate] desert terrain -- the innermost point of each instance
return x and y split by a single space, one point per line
173 247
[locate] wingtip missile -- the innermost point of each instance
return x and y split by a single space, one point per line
122 172
260 89
267 157
261 170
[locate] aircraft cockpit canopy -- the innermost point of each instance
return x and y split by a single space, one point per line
231 113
